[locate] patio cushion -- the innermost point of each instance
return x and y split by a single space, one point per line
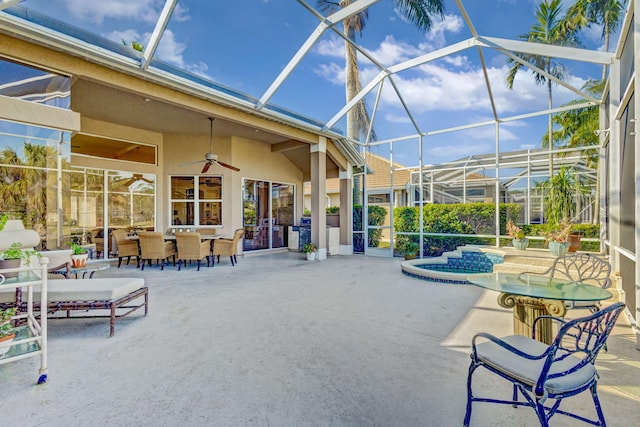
527 370
102 289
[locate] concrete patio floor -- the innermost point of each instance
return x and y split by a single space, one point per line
280 341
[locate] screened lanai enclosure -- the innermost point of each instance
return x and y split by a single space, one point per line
477 124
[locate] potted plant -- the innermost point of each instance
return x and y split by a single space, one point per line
13 256
517 235
79 256
557 238
7 331
310 249
410 249
3 220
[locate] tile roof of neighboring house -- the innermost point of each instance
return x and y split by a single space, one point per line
380 178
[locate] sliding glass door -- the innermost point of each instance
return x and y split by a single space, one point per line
267 214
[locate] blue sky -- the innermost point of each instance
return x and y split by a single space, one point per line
244 44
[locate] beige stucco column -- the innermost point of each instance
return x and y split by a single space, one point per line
319 196
346 211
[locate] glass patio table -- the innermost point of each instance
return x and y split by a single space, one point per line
531 295
89 268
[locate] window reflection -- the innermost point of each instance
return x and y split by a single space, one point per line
203 193
34 85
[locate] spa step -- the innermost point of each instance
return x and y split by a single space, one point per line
510 267
535 261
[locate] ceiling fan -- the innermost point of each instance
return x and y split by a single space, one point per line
134 178
211 158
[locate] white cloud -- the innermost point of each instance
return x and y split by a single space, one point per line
392 52
454 150
172 51
332 72
395 118
436 35
331 47
169 49
97 11
136 10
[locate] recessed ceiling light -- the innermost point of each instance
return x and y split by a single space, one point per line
147 100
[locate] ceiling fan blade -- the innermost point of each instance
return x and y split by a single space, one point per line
206 167
227 165
192 163
130 181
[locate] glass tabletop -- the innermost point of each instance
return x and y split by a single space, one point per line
93 266
539 286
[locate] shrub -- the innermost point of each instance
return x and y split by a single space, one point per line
460 218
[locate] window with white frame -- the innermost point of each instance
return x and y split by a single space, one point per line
196 200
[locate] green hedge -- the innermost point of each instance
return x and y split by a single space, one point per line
377 215
587 230
460 218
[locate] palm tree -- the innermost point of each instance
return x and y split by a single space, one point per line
575 128
549 28
418 12
607 13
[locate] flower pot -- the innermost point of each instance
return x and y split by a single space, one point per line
79 260
520 244
574 241
410 256
558 248
311 256
10 263
5 344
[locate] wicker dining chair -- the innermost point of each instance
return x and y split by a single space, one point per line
192 248
228 247
153 246
126 248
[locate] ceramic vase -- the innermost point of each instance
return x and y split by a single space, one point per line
520 244
558 248
79 260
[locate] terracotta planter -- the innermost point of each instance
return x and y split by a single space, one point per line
574 241
10 263
79 260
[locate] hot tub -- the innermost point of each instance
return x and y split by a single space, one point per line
454 267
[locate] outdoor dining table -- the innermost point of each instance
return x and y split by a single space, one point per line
531 296
173 237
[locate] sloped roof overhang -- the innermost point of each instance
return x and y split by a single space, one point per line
36 28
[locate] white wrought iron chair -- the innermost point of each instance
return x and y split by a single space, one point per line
584 268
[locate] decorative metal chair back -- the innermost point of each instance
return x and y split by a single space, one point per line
583 268
539 372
